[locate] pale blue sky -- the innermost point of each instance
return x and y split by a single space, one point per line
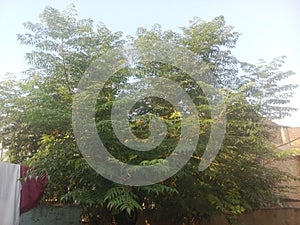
269 28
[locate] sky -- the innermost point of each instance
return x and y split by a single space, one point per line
269 28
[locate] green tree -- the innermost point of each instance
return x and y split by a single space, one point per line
37 129
261 84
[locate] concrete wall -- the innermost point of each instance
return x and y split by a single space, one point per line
288 216
71 216
291 166
59 215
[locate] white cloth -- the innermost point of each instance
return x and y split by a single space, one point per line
10 193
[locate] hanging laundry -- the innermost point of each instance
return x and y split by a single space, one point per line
32 190
18 193
10 191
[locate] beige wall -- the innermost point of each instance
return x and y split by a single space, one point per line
292 167
286 137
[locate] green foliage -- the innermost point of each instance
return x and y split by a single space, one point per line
121 198
261 84
36 120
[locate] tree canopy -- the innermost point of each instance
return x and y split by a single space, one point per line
36 119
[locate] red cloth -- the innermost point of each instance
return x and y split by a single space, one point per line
32 190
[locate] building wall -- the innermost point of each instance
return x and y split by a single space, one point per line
294 134
287 137
287 216
292 167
